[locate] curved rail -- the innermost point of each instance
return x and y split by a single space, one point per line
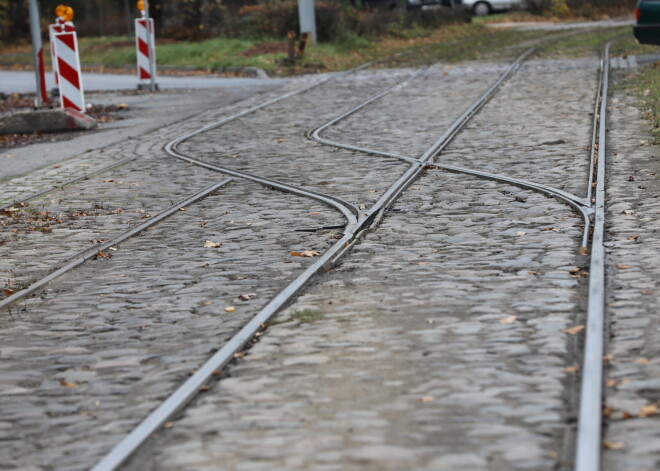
190 388
582 205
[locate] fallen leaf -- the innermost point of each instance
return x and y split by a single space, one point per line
574 270
211 245
613 445
205 388
648 410
584 251
315 214
230 309
607 410
208 303
508 320
533 273
575 330
612 383
629 212
56 166
9 291
625 415
646 291
168 425
183 209
239 355
608 358
305 253
572 369
247 297
202 224
102 254
631 178
66 384
641 361
110 180
280 140
633 237
623 267
428 398
520 233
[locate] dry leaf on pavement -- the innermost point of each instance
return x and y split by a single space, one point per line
211 245
508 320
575 330
305 253
648 410
613 445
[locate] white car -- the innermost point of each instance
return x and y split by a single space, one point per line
486 7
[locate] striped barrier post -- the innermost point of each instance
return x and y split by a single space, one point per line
68 68
60 26
146 58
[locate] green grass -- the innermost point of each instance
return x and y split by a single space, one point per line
306 315
592 43
416 46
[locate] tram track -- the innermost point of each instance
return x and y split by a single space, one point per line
376 212
190 388
357 223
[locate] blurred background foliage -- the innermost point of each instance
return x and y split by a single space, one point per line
337 20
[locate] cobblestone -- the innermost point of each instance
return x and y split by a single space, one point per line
422 369
439 342
633 239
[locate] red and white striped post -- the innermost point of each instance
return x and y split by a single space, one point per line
145 46
60 26
68 69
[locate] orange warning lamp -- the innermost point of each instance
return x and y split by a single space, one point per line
68 14
140 5
59 11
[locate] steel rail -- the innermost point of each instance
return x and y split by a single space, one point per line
589 433
349 210
86 254
190 388
315 134
582 205
70 182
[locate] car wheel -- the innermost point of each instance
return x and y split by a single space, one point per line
481 9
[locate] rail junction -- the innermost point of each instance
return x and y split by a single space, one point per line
379 269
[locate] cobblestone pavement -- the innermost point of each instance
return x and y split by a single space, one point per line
402 358
633 376
438 343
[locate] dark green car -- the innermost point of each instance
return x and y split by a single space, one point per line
647 29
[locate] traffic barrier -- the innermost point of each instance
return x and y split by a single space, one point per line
142 48
60 26
68 68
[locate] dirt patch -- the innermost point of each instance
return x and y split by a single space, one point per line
273 47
